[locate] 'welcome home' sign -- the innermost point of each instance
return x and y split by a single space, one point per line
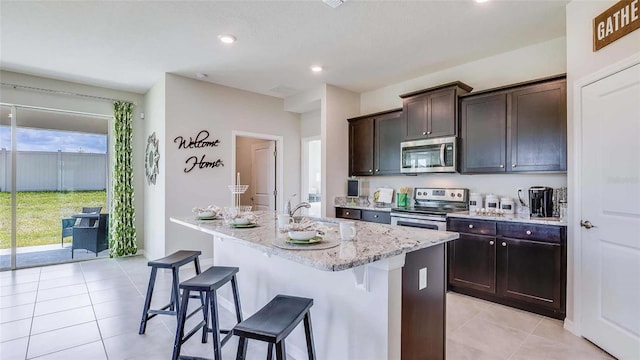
615 22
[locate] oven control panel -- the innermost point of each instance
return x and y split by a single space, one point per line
450 195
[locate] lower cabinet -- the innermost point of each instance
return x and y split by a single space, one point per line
377 216
521 265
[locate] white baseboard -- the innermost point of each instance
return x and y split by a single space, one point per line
568 325
292 351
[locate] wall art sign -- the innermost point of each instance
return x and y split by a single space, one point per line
152 156
615 22
200 141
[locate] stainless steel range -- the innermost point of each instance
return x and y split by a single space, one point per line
430 208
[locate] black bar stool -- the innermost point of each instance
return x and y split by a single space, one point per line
273 323
206 283
173 262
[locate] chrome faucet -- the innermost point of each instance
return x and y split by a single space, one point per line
303 204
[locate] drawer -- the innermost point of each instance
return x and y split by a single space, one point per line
469 226
346 213
382 217
530 231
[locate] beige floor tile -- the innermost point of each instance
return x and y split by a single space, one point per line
19 278
61 292
517 319
17 299
16 313
61 304
459 351
14 349
62 339
498 340
18 288
538 348
15 329
62 319
93 351
60 282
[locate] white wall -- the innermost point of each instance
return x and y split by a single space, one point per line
154 199
193 105
244 165
338 105
527 63
582 61
18 96
310 124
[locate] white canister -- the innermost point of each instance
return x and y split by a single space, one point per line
492 202
475 202
507 205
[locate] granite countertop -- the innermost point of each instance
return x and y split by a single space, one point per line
522 218
386 207
373 241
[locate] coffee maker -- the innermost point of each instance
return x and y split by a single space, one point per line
541 201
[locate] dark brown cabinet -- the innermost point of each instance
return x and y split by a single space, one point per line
377 216
431 113
374 144
522 128
517 264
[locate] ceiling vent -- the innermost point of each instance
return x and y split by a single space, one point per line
283 90
334 3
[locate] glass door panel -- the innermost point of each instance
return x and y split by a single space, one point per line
5 188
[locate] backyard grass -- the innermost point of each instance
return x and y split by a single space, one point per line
39 214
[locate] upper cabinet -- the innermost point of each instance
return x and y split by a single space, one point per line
522 128
374 144
432 112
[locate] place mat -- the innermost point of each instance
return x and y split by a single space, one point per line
322 245
313 240
206 217
243 226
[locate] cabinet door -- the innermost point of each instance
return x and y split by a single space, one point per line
415 117
361 147
483 133
347 213
538 124
388 135
530 271
382 217
441 114
472 263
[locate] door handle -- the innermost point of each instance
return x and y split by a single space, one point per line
587 224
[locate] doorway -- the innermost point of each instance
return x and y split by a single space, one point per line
312 175
258 164
53 163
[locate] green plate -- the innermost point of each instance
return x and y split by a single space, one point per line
243 226
313 240
206 217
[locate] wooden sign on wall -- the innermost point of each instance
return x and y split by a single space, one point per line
615 22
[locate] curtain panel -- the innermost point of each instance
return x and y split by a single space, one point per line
122 230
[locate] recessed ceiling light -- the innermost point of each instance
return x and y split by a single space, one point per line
316 68
201 75
481 1
227 38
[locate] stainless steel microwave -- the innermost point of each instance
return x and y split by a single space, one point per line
428 156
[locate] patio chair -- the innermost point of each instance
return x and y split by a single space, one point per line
93 237
68 223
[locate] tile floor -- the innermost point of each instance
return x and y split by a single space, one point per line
91 310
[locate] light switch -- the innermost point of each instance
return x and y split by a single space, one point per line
423 279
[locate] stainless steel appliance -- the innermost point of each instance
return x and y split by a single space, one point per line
541 201
430 208
432 155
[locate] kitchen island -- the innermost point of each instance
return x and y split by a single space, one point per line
381 296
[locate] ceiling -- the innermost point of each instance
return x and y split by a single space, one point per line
129 45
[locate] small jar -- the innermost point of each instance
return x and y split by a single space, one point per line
475 202
492 202
562 210
507 205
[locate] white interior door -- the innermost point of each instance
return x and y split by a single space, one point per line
263 175
610 195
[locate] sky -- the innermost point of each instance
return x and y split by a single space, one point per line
52 140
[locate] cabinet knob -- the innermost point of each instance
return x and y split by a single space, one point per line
375 216
504 244
470 226
346 212
513 165
428 132
377 170
501 165
528 232
370 170
491 242
424 133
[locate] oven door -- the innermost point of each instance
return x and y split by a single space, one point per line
405 220
433 155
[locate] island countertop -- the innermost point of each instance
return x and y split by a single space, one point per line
373 241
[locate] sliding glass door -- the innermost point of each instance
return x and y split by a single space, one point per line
61 182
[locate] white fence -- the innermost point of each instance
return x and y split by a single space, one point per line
54 171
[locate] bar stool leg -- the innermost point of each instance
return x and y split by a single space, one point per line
175 292
196 263
308 332
242 349
147 301
205 310
269 351
236 299
281 353
215 326
182 318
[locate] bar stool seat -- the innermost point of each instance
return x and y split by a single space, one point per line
207 283
173 262
274 322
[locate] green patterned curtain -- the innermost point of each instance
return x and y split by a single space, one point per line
122 229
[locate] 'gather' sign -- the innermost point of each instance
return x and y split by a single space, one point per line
615 22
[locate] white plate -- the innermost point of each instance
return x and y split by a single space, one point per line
302 235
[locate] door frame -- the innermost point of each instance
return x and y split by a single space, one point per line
304 169
279 161
575 202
